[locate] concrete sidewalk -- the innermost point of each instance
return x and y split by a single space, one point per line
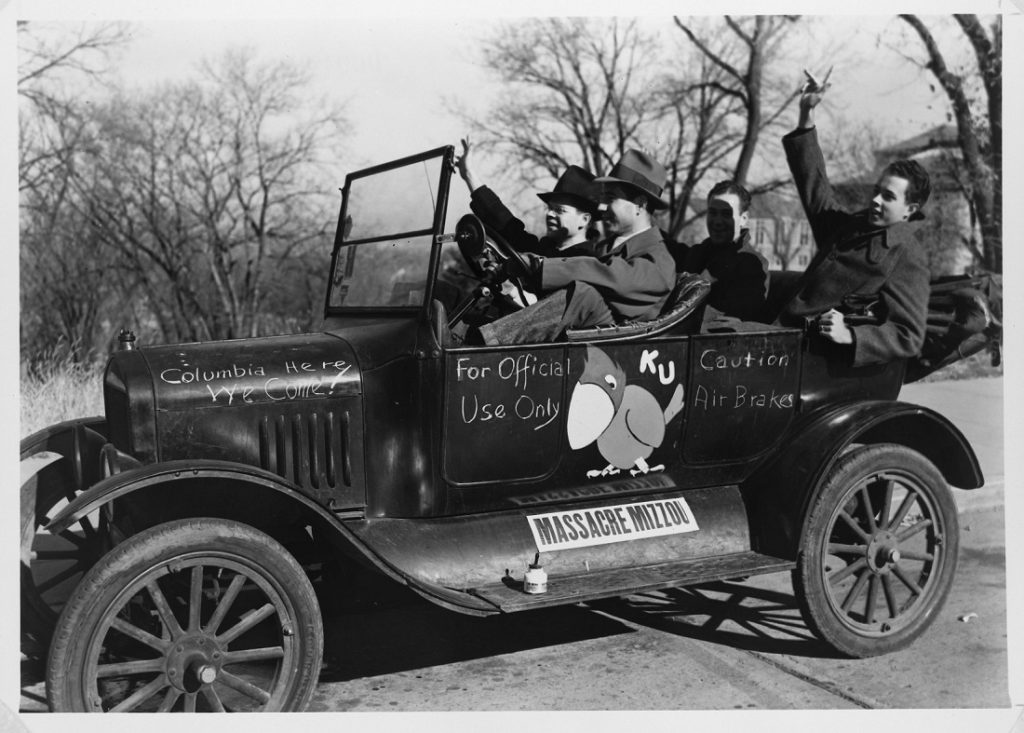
975 406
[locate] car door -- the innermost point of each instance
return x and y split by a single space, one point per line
503 414
743 392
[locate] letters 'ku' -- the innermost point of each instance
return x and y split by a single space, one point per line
626 420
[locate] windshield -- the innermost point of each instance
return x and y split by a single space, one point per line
383 253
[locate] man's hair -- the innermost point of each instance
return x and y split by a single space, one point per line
919 185
724 188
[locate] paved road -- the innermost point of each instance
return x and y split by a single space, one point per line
975 406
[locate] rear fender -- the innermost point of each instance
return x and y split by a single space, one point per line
782 490
78 442
57 462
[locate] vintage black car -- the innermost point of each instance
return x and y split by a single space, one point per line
169 548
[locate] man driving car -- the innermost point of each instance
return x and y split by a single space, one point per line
571 209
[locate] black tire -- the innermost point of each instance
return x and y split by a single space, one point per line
192 615
879 551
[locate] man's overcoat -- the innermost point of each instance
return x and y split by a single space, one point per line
633 279
740 275
857 264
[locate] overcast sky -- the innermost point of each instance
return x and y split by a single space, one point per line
399 76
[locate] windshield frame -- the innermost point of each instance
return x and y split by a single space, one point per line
447 155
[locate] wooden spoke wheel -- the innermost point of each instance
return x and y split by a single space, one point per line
880 551
197 615
53 564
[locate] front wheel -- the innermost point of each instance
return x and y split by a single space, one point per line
189 616
879 552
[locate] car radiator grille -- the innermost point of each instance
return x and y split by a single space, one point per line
311 448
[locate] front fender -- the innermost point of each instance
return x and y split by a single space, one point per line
163 476
782 490
181 472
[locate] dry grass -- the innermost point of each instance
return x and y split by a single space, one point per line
61 392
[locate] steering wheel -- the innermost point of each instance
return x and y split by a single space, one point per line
486 253
484 250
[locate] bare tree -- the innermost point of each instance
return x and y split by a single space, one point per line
171 208
978 121
575 92
702 144
203 189
83 50
64 288
47 63
583 91
742 50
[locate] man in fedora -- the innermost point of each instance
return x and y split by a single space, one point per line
628 278
572 208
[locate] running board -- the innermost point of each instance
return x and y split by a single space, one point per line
509 596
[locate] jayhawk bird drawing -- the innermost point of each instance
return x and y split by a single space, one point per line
626 420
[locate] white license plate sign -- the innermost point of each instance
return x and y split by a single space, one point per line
619 523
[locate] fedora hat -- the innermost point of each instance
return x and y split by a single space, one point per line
576 188
640 172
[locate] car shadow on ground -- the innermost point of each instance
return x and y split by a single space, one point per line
733 614
413 634
418 634
33 693
399 631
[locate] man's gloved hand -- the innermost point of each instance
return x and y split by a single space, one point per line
527 270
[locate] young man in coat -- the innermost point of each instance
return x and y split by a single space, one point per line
628 278
867 287
738 273
572 208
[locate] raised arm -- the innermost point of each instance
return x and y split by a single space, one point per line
464 165
488 206
807 166
811 95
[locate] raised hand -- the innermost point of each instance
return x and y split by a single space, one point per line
811 94
463 165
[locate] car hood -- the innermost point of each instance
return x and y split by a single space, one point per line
269 370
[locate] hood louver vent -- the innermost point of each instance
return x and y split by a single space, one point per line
310 448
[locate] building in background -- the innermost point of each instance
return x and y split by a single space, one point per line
779 230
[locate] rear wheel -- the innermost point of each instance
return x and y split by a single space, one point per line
189 616
52 564
56 467
880 551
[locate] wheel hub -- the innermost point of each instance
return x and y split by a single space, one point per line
193 661
883 552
